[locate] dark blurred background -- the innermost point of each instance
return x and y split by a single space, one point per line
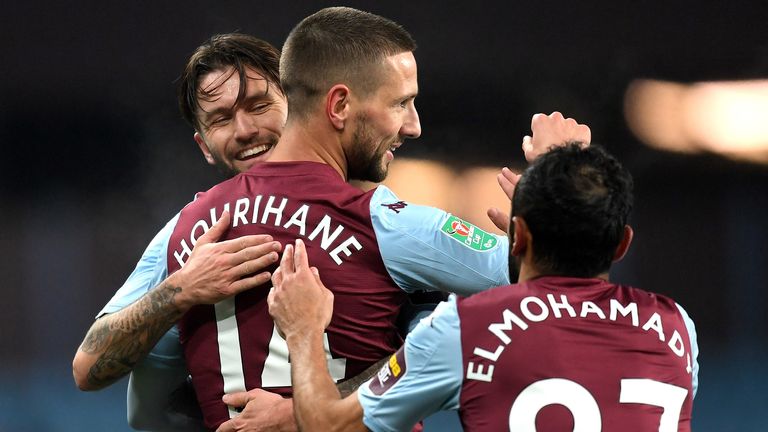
95 159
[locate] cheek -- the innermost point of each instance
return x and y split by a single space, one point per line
274 121
218 139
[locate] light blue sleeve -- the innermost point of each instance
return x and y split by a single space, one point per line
425 248
151 269
152 386
694 348
425 378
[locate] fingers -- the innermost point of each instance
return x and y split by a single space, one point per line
227 426
527 144
238 244
585 132
508 180
216 231
316 273
255 258
237 400
536 119
286 263
277 278
499 219
249 282
300 256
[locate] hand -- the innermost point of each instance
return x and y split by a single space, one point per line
507 180
299 302
215 271
262 411
553 130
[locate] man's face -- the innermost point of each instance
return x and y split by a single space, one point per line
234 137
385 119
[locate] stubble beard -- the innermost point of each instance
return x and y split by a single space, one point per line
230 171
361 162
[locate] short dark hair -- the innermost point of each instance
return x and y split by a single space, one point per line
576 201
221 51
337 45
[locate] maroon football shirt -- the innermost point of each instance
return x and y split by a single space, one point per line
554 353
233 346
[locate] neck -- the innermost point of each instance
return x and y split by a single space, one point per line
306 140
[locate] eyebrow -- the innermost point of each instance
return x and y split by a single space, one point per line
224 110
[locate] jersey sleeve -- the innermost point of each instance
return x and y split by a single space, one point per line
154 401
694 348
425 248
423 377
151 269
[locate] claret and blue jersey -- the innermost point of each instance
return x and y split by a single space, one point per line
547 354
371 248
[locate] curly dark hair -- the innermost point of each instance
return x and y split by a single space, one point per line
236 50
576 201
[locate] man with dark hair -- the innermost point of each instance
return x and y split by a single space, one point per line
563 349
230 93
235 124
350 79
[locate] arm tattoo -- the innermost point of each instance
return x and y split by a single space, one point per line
349 386
125 337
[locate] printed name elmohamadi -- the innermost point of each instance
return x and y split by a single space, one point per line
482 371
249 210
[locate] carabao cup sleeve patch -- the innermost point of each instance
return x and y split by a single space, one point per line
468 234
389 374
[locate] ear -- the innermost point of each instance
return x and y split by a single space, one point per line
337 105
623 247
204 148
521 236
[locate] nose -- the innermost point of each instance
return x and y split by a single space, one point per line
245 126
411 126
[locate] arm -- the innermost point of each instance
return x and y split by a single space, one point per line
265 411
116 342
393 399
302 313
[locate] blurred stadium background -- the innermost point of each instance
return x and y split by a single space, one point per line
96 158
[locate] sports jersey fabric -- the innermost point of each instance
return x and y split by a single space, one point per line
370 248
543 354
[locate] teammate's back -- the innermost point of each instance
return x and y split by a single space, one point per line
233 346
555 351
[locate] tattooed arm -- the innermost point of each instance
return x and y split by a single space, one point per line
214 271
116 342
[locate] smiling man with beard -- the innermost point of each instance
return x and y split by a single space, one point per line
350 78
230 94
351 81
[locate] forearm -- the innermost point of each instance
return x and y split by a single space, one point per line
116 342
316 400
349 386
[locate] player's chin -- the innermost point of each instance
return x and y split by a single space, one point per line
246 164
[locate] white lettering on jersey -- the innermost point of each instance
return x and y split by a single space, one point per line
327 231
479 371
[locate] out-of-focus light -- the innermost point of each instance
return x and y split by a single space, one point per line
729 118
468 194
479 191
654 113
421 182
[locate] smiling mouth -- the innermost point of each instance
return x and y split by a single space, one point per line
254 151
